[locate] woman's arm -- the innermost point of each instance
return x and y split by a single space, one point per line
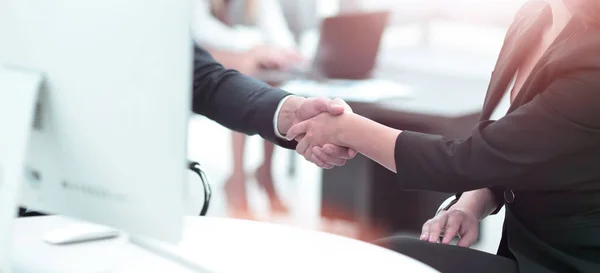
378 144
530 144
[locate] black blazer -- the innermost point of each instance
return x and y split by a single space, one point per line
235 101
544 155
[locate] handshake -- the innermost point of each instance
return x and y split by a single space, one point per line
318 124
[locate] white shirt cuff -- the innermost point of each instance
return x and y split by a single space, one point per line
276 117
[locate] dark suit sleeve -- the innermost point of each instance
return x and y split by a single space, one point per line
532 148
234 100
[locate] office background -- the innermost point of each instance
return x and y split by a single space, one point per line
423 35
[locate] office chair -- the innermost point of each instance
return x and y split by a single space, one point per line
195 167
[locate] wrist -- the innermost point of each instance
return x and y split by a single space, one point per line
478 202
347 124
468 210
287 113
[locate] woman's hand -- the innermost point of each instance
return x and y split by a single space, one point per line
316 132
454 222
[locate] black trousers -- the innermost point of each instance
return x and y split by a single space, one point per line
449 258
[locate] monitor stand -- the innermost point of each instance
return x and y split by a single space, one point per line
160 249
19 90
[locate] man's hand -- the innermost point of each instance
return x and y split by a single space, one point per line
297 109
322 130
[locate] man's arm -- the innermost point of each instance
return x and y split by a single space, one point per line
252 107
234 100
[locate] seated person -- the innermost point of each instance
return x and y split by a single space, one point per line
541 160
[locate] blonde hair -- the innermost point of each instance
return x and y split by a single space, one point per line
220 8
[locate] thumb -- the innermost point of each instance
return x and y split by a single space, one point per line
352 153
296 130
337 107
468 238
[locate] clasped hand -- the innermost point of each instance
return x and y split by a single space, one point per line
319 138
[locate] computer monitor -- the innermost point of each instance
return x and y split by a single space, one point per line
340 52
107 143
16 116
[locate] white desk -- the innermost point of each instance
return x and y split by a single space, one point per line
223 245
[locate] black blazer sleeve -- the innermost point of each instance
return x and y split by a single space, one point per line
234 100
528 149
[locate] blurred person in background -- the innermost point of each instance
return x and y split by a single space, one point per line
541 160
246 35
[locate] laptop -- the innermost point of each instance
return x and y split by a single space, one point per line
348 48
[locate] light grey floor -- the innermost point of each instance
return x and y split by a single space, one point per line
210 144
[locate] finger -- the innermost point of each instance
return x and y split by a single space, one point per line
435 229
315 159
342 102
335 161
268 64
451 229
280 62
337 107
298 129
308 153
351 153
425 230
469 237
302 146
336 151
